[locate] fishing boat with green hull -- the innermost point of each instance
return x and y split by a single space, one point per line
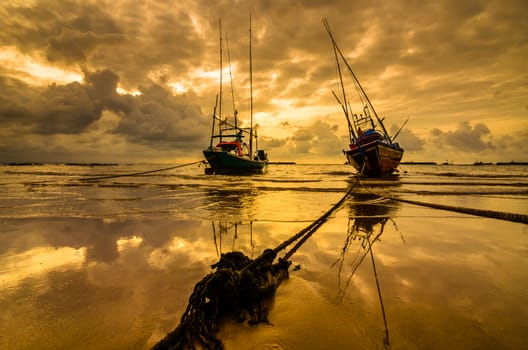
229 158
230 153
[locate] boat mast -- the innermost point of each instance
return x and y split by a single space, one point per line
220 100
356 80
250 93
344 105
235 112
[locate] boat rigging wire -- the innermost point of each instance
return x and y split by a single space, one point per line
358 84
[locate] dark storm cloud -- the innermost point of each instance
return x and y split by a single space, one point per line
465 138
55 109
15 98
154 117
64 109
159 117
59 109
65 31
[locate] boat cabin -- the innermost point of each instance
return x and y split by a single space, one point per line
366 137
232 147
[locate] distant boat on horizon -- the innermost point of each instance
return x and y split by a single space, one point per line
372 152
231 154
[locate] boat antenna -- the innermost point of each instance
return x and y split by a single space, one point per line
235 112
221 73
214 119
327 26
250 92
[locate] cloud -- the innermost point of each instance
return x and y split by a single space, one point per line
408 138
64 109
272 143
315 142
59 109
157 116
435 62
55 109
65 31
465 138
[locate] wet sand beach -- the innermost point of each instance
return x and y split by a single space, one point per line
111 264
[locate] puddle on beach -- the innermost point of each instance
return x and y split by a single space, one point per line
377 274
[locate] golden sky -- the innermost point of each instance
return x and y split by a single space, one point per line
136 81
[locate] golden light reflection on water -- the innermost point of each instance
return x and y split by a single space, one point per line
125 283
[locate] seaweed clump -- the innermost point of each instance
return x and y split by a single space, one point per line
239 286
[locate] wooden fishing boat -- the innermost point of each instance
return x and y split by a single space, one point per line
372 151
231 154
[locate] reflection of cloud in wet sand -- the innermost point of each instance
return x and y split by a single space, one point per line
140 280
38 261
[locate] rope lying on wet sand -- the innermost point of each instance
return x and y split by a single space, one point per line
238 286
478 212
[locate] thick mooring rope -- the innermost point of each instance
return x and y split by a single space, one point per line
238 286
513 217
310 229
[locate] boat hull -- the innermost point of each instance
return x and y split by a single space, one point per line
222 162
375 159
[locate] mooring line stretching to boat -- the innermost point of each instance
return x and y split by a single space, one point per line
513 217
499 215
119 175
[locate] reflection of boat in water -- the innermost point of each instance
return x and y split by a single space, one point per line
231 154
372 151
226 234
368 217
232 204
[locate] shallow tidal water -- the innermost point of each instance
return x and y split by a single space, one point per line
110 263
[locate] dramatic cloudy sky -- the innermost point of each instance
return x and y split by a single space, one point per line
136 80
